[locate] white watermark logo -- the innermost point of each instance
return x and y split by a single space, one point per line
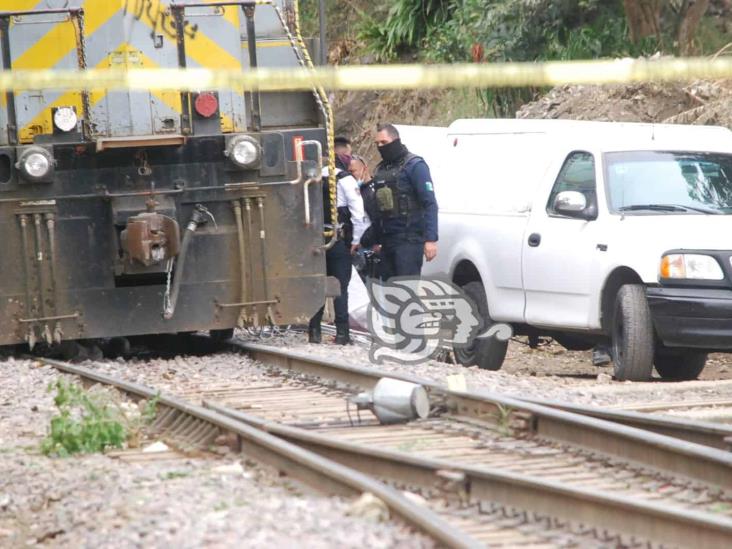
412 319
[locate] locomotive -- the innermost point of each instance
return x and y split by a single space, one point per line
141 212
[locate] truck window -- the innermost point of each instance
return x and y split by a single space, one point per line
639 182
577 174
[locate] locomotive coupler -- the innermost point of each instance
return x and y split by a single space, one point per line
150 238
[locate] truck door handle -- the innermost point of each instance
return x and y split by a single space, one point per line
534 240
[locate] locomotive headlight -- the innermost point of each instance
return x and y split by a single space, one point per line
691 266
35 163
65 119
243 151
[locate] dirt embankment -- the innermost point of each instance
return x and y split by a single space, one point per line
701 102
358 113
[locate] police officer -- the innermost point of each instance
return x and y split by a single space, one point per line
338 258
407 208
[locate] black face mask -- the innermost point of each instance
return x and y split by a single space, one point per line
391 152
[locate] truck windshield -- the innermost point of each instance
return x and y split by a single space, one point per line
642 182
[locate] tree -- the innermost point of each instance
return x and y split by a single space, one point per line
644 18
689 17
681 18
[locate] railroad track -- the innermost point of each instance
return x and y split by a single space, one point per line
502 471
192 427
713 410
707 432
700 422
445 513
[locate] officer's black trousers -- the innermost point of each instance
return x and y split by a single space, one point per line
401 258
337 264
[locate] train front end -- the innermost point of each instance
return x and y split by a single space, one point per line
128 212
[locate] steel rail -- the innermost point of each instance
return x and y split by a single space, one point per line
706 433
654 450
714 435
645 519
324 475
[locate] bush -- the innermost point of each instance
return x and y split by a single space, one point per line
405 26
90 422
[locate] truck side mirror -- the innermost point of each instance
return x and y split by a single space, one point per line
574 204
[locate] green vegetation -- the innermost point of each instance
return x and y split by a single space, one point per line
172 475
509 30
503 30
529 30
408 25
89 422
85 424
449 31
503 420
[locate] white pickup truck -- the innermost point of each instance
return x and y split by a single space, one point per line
589 232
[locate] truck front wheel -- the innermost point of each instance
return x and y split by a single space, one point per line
488 352
679 365
632 334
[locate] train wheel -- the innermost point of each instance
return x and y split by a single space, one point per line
117 347
222 335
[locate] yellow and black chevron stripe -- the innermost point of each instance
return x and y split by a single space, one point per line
122 34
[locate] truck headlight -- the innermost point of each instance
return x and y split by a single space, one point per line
35 164
691 266
243 151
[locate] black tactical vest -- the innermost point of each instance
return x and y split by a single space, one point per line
395 197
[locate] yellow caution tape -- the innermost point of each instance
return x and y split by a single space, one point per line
380 77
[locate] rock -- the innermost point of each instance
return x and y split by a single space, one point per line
158 446
415 498
229 469
604 378
369 507
456 382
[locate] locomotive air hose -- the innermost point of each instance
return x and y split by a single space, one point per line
196 219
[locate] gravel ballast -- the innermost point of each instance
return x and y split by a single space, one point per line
548 372
204 501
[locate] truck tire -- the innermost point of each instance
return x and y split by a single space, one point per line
632 334
679 365
486 353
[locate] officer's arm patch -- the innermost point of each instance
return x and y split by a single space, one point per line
429 187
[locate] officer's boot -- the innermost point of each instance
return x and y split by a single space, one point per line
314 335
343 334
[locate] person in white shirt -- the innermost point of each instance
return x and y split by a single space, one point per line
352 221
349 196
